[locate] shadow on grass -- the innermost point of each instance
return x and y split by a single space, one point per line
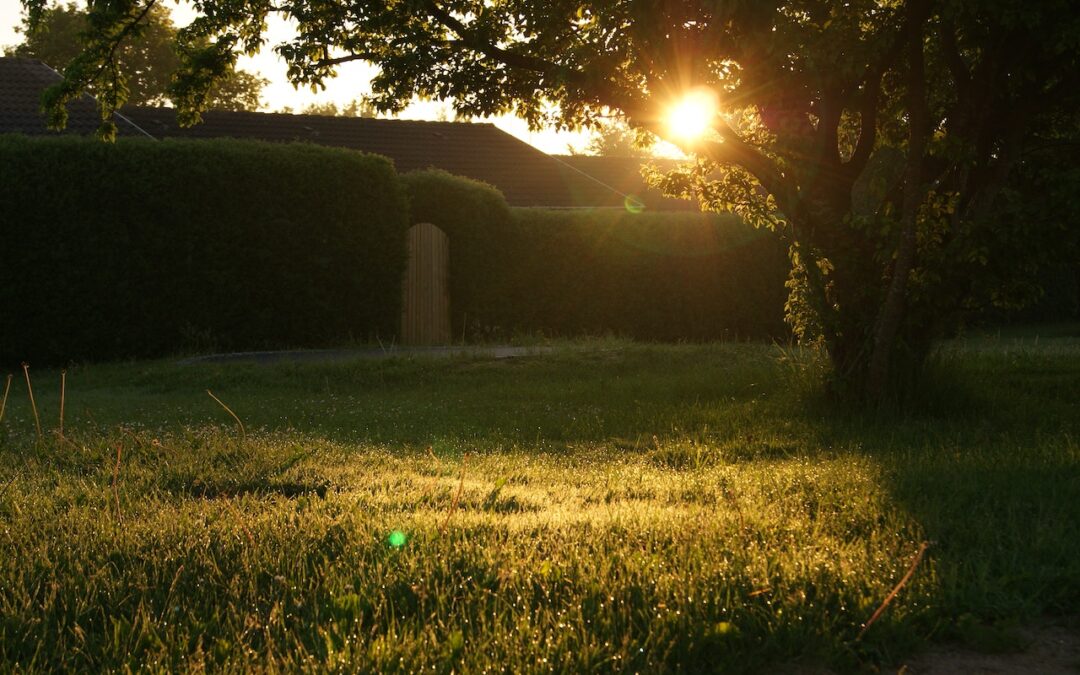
224 489
986 461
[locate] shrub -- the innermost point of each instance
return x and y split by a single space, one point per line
145 248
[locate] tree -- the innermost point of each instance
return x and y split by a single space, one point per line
146 65
331 109
874 136
615 139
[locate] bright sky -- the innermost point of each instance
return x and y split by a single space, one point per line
350 84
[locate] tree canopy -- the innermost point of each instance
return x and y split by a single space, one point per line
616 139
331 109
878 138
145 66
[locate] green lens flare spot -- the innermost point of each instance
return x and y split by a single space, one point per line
633 204
397 539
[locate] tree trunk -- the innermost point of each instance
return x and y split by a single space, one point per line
892 310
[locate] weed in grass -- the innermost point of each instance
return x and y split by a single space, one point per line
682 454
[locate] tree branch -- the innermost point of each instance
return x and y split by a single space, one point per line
737 151
363 56
951 52
828 132
111 56
468 39
867 123
868 108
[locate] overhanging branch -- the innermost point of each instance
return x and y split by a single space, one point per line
364 56
469 39
871 93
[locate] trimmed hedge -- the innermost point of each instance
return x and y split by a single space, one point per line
654 276
147 248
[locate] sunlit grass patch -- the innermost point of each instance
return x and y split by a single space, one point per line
652 508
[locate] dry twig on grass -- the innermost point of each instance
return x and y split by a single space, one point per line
889 598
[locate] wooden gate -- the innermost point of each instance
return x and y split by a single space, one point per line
425 309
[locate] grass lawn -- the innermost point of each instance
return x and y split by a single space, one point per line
605 507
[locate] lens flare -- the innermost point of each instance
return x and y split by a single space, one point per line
633 204
397 539
692 116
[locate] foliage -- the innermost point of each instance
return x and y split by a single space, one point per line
680 508
615 139
331 109
116 258
1050 169
874 137
664 276
146 66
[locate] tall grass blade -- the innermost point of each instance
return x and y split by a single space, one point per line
33 405
63 391
115 483
3 402
457 496
8 483
243 433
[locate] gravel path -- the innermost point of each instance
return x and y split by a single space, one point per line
317 355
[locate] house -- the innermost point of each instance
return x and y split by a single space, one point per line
524 174
620 176
21 83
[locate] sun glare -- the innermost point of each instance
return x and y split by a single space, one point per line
691 117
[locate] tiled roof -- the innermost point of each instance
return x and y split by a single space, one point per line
613 177
527 176
21 83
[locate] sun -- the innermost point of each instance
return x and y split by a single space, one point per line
691 117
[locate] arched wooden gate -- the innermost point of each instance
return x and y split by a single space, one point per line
425 309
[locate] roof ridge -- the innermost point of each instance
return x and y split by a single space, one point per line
31 59
340 119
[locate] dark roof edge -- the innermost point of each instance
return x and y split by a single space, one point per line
589 176
279 113
129 121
